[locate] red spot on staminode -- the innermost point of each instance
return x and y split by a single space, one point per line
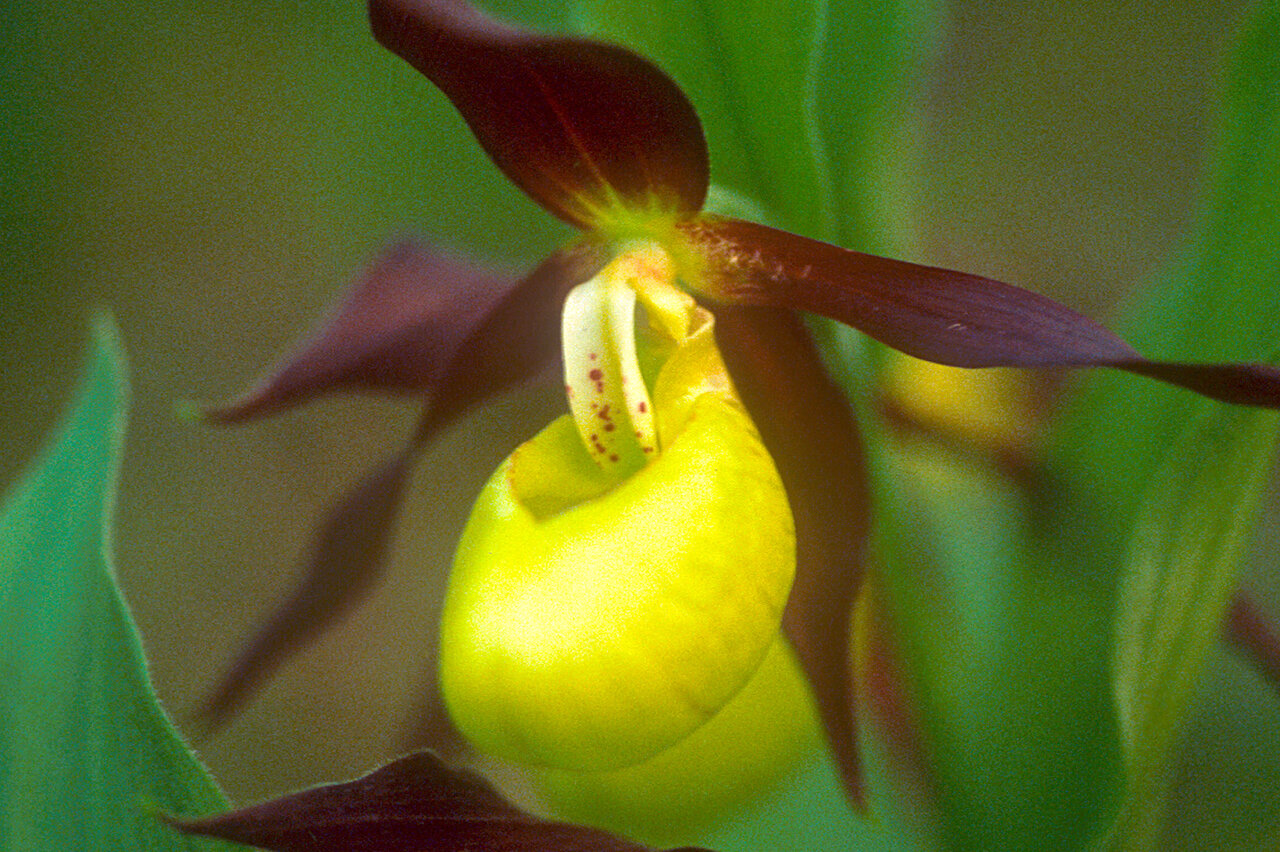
592 356
603 413
648 449
596 375
642 407
608 427
613 457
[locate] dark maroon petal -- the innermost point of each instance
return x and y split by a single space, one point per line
1254 636
577 124
345 561
517 338
806 423
415 803
935 314
395 331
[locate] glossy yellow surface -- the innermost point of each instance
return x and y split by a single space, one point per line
592 622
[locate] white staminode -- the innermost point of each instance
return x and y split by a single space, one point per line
607 394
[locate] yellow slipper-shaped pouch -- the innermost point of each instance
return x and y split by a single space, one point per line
622 574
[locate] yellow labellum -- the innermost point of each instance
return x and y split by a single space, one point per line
592 620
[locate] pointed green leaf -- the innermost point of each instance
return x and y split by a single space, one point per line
1168 493
1219 301
1007 666
87 757
1175 587
1034 752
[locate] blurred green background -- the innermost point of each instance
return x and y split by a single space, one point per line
215 172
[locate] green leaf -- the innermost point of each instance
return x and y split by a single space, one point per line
802 103
1163 487
746 67
1007 664
87 757
807 810
864 89
1219 301
1174 591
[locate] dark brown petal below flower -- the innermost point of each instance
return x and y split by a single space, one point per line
516 339
935 314
579 125
809 430
395 331
415 803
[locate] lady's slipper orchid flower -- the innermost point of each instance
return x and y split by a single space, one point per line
625 571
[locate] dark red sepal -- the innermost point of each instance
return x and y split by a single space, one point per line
581 126
395 331
415 803
810 432
942 316
515 338
346 560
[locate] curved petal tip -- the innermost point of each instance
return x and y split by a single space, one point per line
938 315
582 126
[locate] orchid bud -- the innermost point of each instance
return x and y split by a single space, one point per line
623 574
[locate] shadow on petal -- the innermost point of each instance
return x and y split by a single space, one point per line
947 317
809 430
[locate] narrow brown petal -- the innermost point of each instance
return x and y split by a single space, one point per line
806 423
414 803
394 331
515 340
1255 636
512 342
577 124
345 561
935 314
